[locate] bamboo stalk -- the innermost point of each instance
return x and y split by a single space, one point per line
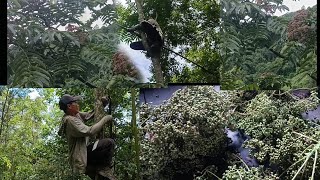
135 132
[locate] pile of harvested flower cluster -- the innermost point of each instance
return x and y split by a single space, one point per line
185 138
185 133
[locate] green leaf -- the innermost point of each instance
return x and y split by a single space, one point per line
59 37
15 2
11 28
248 6
46 51
44 38
77 43
242 9
51 36
67 34
52 45
36 38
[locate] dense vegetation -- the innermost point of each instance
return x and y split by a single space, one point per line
48 46
40 54
260 50
184 138
238 43
30 147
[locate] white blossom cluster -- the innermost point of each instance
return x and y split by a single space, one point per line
188 128
254 173
183 131
279 134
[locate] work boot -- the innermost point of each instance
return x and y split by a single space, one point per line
107 172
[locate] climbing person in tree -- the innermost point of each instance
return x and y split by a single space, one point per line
94 160
154 36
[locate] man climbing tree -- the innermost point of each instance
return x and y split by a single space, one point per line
154 37
155 58
94 160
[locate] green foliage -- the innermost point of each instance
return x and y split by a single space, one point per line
267 48
41 54
306 74
30 146
21 126
278 25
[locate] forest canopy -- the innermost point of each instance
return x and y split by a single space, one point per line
49 46
30 146
262 51
240 44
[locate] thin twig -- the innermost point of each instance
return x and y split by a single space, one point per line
305 136
213 174
239 175
303 165
314 164
314 123
295 162
243 162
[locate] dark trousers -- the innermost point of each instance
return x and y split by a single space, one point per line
100 157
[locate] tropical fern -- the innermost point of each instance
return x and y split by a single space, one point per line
306 71
278 25
28 70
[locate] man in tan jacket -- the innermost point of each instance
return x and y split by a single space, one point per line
95 160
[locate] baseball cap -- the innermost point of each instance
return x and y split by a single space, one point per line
66 99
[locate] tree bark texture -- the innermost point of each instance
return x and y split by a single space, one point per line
99 109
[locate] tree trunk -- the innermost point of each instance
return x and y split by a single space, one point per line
99 109
3 112
5 116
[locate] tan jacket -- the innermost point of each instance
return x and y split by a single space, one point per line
77 134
